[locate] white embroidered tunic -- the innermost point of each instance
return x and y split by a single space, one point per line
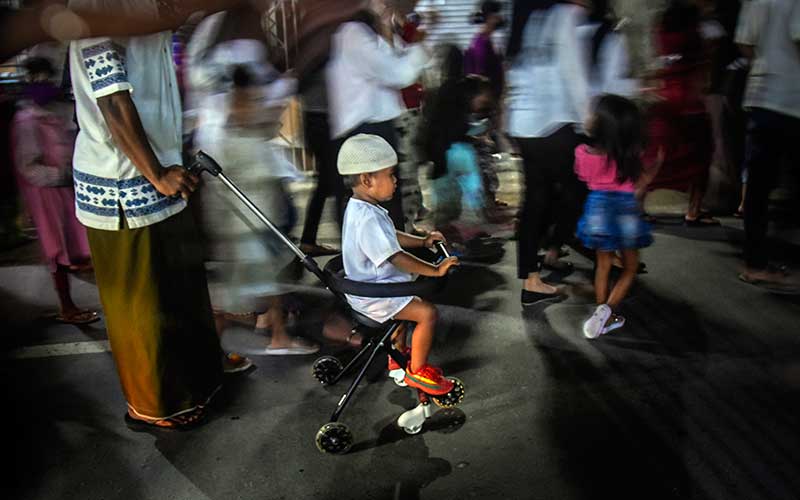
107 184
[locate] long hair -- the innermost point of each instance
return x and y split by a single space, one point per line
617 130
522 10
446 120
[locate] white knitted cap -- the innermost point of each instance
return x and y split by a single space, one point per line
365 153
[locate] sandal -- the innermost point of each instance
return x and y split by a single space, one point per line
81 268
183 422
703 219
775 284
78 318
297 347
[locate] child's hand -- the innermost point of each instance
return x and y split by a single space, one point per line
445 265
432 238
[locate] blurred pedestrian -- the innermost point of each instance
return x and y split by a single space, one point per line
458 118
317 135
678 122
367 69
609 63
407 125
42 140
548 101
481 58
239 115
769 35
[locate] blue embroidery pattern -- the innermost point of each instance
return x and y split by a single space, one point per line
105 64
105 197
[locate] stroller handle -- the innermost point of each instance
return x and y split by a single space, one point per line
442 248
204 163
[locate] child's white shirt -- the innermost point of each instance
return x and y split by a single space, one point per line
369 240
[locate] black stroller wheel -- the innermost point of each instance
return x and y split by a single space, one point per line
452 398
326 369
334 438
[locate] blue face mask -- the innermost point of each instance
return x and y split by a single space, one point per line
477 126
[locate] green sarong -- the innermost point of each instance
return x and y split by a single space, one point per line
153 288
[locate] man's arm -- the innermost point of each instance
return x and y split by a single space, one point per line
122 118
52 20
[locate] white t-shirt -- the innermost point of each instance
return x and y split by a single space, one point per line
548 84
369 240
106 181
365 75
772 27
612 72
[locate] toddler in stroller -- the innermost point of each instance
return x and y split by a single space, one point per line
373 252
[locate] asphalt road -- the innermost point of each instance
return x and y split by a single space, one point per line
696 397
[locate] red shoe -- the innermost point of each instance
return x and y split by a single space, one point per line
429 380
393 364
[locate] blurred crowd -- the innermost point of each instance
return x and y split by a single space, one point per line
95 154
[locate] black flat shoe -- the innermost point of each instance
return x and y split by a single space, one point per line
530 298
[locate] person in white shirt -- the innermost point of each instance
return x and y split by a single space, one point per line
548 101
131 195
241 100
367 69
609 62
372 252
768 34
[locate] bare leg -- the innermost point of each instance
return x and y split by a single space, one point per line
604 262
61 282
630 259
424 315
696 193
534 283
276 319
744 194
220 322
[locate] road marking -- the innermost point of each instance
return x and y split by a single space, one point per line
52 350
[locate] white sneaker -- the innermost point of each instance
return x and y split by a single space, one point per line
593 327
616 321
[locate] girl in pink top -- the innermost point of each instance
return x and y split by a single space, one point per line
42 139
612 219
